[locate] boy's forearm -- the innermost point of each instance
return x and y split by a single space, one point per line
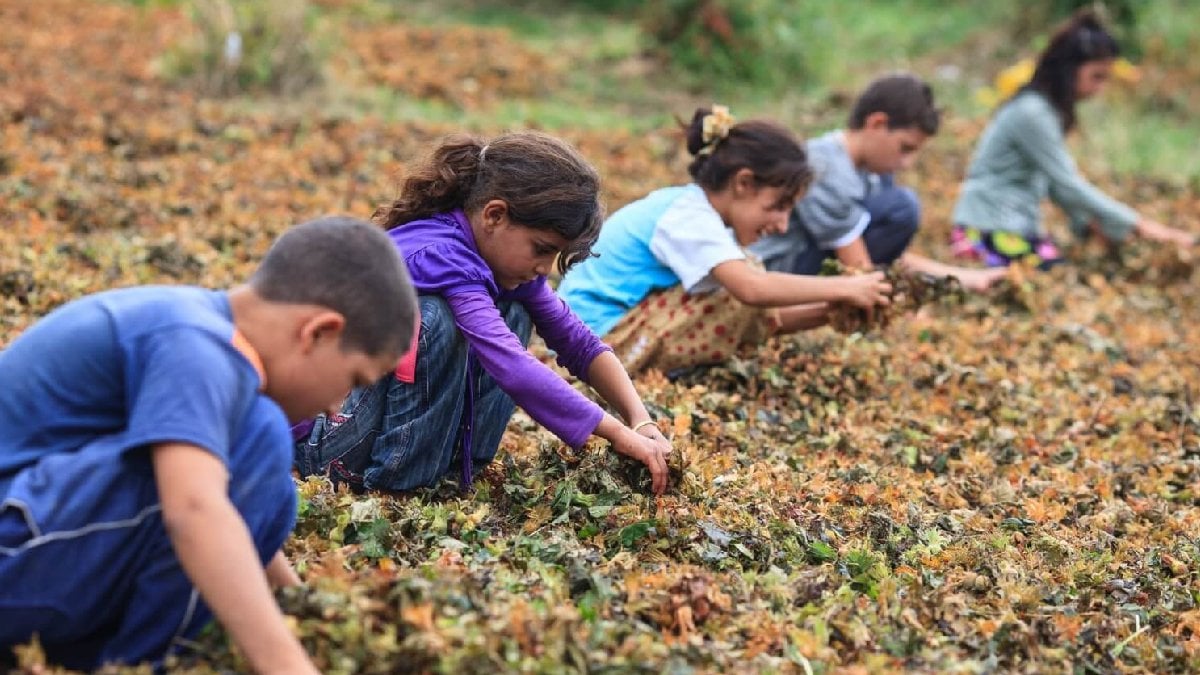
919 263
215 549
856 256
974 279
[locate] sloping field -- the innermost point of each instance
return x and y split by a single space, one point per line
1007 483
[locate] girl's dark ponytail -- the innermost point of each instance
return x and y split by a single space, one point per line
442 183
721 147
1081 39
545 182
694 132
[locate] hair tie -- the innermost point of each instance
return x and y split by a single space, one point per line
715 128
1085 38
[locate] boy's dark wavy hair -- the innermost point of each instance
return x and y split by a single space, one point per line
546 183
770 151
905 98
1081 39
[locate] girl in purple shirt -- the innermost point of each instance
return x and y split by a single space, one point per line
480 225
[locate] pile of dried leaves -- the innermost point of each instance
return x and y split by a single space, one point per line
910 292
989 483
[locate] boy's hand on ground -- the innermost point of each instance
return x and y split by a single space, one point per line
867 290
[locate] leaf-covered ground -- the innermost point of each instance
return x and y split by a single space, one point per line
1010 483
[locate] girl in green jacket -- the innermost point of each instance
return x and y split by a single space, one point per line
1022 158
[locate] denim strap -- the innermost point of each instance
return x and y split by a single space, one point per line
469 420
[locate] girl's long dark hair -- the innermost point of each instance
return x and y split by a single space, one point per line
1082 39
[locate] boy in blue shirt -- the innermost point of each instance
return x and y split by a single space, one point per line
145 461
853 209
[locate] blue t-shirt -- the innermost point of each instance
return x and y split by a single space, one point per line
671 236
128 369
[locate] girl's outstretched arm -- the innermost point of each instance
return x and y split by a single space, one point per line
1153 230
586 357
541 392
757 288
610 379
1038 136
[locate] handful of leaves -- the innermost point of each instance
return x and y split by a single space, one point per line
1161 266
910 291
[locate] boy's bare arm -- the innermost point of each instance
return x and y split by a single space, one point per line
216 551
280 573
973 279
856 256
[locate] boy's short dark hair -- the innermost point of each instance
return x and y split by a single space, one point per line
906 99
351 267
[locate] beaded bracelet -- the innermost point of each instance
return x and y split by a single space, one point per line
639 425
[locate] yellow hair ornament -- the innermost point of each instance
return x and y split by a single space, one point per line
716 126
1011 79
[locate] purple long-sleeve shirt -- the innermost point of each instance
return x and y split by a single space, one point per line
444 260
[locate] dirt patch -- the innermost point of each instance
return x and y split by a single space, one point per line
467 66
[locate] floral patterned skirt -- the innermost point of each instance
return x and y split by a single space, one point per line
671 329
1001 249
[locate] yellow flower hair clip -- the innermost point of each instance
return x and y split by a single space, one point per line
716 127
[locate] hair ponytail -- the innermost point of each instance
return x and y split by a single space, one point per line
721 147
441 183
545 182
1081 39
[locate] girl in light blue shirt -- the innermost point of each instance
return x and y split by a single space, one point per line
672 285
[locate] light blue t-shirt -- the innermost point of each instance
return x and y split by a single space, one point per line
672 236
128 369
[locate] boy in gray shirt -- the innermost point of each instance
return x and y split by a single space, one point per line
854 211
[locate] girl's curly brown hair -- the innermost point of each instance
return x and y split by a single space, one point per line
546 183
